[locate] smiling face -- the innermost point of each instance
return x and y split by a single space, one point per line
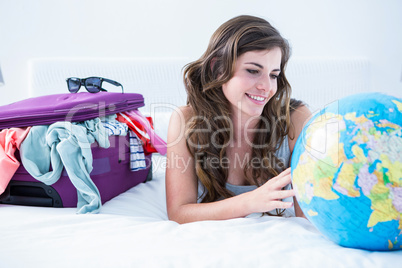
254 82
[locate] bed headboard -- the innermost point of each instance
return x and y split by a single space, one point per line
321 81
158 80
317 82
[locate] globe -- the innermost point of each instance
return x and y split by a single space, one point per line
347 171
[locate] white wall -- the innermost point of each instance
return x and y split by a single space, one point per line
158 28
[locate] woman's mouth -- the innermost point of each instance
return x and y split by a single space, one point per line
256 99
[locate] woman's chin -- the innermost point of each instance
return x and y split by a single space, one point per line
253 113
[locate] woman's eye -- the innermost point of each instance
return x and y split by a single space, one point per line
274 76
252 71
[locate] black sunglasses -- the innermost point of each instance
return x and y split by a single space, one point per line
92 84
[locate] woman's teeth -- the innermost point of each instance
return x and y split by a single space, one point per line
256 97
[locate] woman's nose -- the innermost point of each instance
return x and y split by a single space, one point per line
265 83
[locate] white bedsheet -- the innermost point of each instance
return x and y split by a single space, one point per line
133 230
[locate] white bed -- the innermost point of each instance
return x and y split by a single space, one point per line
132 230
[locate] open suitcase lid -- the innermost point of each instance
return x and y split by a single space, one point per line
46 110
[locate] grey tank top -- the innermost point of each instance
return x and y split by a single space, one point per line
283 154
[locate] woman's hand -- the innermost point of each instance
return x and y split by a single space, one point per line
269 196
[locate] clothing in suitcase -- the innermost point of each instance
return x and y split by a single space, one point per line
108 168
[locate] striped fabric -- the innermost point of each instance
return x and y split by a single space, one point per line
137 157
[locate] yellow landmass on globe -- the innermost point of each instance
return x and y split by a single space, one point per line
398 105
346 179
304 175
394 173
390 245
388 124
364 138
371 114
358 120
312 213
359 154
377 135
323 188
337 154
315 173
383 211
381 203
379 189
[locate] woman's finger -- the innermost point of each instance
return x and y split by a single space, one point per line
281 204
284 173
280 181
278 195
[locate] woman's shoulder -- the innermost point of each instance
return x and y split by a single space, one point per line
178 121
300 115
176 136
182 113
187 111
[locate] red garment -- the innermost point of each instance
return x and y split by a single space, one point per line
10 140
140 131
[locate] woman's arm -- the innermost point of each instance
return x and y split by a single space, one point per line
182 185
298 119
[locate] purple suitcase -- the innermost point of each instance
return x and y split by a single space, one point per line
111 169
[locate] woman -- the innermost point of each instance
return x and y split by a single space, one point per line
229 148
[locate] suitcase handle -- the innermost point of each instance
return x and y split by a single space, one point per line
31 194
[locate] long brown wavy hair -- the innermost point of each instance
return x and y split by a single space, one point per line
203 81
